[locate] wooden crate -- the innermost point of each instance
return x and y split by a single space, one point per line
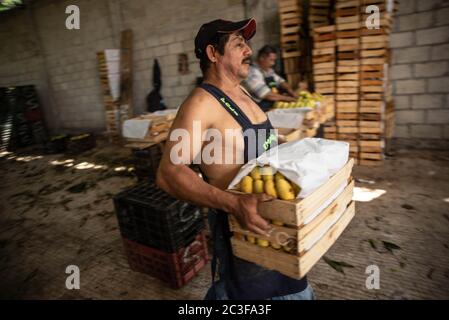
296 212
312 225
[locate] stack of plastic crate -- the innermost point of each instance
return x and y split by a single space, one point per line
162 236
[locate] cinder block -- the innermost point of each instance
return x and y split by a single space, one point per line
401 131
406 7
401 71
441 17
430 4
446 132
431 69
175 48
414 54
402 102
181 91
410 116
427 101
410 86
167 38
426 131
432 36
152 42
439 84
402 39
440 52
160 51
415 21
438 116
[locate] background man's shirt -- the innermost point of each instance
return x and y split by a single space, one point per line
255 83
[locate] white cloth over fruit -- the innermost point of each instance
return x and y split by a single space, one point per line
287 118
309 162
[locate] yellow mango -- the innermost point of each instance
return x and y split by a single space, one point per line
246 185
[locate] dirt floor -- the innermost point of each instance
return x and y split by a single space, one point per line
56 210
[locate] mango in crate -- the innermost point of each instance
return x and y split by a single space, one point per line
287 249
277 223
278 176
296 189
246 185
275 245
255 173
270 188
284 190
251 239
263 243
258 186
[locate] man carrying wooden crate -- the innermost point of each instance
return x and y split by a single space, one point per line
215 107
264 84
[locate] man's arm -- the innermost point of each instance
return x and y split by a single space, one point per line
255 84
183 183
271 96
284 85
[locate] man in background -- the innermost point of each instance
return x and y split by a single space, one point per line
264 84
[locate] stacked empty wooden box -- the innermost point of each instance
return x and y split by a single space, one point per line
375 88
324 63
348 72
108 65
319 13
364 109
290 16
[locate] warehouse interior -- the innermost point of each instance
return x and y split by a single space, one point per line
79 79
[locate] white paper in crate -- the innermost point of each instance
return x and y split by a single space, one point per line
287 118
309 162
136 128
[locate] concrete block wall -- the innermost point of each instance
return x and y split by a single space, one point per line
62 63
37 48
420 72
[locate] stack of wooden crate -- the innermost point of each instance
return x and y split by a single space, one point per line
290 16
364 108
319 13
348 71
324 66
375 88
111 103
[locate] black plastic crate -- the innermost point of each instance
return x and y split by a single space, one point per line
146 162
81 143
149 216
57 144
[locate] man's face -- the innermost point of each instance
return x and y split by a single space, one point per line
237 56
267 61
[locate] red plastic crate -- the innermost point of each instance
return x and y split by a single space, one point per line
174 268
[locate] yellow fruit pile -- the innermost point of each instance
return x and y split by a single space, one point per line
305 100
262 180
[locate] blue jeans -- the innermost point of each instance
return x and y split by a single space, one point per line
220 293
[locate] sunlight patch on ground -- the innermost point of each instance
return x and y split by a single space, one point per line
367 194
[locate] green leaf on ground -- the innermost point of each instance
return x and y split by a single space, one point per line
337 265
372 243
391 246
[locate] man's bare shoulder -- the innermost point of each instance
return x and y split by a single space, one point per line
199 103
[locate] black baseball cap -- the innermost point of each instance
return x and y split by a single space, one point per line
208 31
